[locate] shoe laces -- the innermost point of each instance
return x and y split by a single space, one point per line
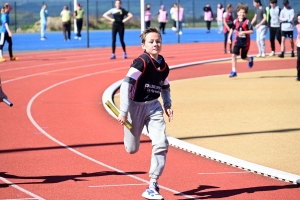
154 186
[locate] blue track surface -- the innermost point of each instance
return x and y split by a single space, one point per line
32 42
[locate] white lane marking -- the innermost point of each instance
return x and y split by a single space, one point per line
121 185
209 173
29 105
20 199
21 189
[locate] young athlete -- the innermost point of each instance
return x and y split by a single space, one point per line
43 16
148 16
298 47
219 18
243 29
228 23
118 25
162 18
145 81
287 27
260 18
5 33
274 25
78 14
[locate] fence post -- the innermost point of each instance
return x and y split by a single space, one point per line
15 7
87 25
97 15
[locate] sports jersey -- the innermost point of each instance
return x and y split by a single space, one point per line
79 13
4 20
229 20
118 15
287 19
243 25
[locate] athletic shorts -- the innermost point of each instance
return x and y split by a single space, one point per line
238 49
287 34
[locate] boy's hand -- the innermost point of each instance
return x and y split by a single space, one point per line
169 113
241 33
122 119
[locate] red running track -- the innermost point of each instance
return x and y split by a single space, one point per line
58 142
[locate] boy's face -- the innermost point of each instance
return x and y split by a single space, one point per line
152 44
241 14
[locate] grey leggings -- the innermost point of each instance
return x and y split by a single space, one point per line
150 115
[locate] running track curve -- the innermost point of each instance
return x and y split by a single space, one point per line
58 142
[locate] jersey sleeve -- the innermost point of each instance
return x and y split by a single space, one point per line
249 25
125 12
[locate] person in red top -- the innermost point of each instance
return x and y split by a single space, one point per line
228 23
243 29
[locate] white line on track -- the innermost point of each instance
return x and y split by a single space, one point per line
121 185
21 189
210 173
77 152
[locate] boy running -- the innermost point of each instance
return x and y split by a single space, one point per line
145 81
243 28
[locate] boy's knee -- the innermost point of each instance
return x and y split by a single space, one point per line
132 150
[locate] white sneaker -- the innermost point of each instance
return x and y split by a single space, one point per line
174 29
75 37
79 38
180 32
258 55
152 192
272 53
263 55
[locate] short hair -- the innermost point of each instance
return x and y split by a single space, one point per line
147 31
5 6
257 1
298 15
273 1
228 6
241 6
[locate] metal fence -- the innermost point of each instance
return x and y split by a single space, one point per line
24 18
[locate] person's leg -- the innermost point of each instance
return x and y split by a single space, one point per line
2 42
208 26
272 39
291 36
235 53
282 46
121 36
263 33
64 27
163 27
156 127
43 29
258 39
278 35
69 30
114 36
225 41
9 41
220 25
298 63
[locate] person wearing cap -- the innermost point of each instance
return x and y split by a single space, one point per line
78 14
162 18
274 25
260 18
287 15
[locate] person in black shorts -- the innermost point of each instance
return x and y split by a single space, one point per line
243 28
118 26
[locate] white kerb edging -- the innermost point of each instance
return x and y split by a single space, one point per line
229 160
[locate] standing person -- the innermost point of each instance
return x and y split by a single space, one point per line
178 17
208 17
2 94
298 47
148 16
287 15
162 18
43 16
145 81
172 16
5 33
243 28
274 25
78 14
260 18
118 26
219 18
228 24
66 23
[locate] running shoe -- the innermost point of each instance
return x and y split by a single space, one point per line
293 54
232 74
14 58
2 59
124 55
281 55
76 37
263 55
258 55
298 79
251 62
152 192
113 56
272 53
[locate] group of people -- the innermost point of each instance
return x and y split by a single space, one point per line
66 21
